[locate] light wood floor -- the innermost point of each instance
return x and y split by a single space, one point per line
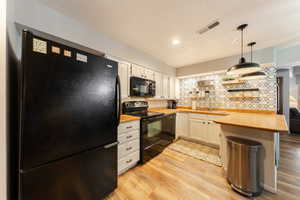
174 176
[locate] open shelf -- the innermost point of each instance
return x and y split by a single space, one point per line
234 82
243 90
244 97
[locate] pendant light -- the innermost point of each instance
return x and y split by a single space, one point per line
253 75
243 67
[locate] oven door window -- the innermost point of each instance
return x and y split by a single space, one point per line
151 132
154 129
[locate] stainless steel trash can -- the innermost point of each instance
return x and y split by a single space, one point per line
243 170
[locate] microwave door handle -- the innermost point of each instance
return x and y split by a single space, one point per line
118 99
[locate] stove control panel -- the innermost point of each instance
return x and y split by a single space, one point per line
135 104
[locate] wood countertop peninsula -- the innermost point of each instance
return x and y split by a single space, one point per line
263 120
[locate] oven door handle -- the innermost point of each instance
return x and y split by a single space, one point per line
148 147
150 119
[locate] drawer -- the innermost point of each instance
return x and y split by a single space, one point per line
128 147
198 116
212 117
128 136
128 126
128 161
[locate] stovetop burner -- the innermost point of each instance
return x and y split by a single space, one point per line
139 109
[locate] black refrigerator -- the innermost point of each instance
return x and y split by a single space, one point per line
69 113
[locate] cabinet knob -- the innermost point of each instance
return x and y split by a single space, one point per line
128 127
129 136
129 161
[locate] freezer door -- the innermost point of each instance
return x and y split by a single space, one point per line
87 176
68 102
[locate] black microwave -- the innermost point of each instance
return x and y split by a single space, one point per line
140 87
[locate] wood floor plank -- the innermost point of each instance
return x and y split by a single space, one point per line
175 176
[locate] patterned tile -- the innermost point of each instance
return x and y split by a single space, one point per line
220 97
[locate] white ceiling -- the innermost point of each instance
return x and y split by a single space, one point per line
151 25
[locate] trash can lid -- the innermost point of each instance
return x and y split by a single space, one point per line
243 141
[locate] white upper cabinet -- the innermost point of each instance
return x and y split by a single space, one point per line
177 89
172 87
149 74
137 71
141 72
158 85
123 71
166 86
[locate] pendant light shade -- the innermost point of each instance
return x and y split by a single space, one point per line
243 67
253 76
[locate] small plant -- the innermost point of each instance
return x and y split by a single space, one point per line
228 79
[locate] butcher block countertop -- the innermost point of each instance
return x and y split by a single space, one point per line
267 122
128 118
258 120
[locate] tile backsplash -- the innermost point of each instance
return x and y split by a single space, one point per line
152 104
219 97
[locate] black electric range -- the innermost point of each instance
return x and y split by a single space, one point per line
157 130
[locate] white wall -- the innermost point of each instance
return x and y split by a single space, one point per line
3 151
288 56
38 16
261 56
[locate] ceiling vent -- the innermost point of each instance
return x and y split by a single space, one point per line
208 27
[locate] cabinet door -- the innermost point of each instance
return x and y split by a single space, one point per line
149 74
182 128
198 129
177 89
213 133
137 71
166 86
124 78
158 85
172 87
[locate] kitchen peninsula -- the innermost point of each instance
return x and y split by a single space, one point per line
260 126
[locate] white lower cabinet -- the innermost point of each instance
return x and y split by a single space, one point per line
213 133
182 125
199 127
129 145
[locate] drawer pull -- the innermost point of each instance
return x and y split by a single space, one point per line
129 148
129 136
129 161
129 127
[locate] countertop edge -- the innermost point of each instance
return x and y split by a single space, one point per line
248 126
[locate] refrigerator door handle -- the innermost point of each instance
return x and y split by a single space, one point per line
111 145
118 99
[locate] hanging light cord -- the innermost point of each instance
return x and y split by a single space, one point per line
242 43
251 52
